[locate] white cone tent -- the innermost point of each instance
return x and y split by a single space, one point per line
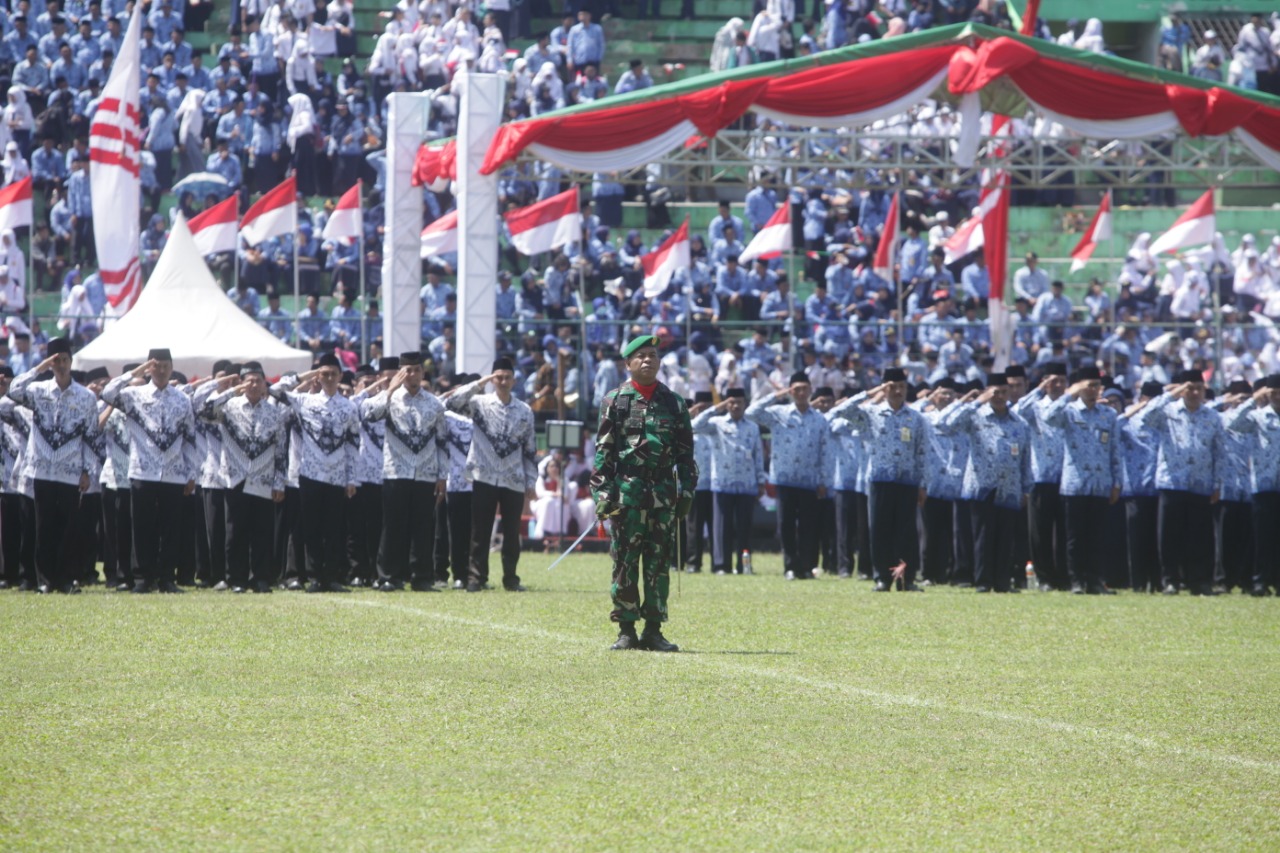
184 309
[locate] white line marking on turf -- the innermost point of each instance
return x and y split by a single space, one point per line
904 700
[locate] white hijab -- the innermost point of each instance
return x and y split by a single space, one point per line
191 117
302 121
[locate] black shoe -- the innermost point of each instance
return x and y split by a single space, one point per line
69 589
983 589
4 584
627 639
26 586
516 588
263 588
913 587
1015 589
1077 589
693 570
389 586
473 586
719 572
1259 592
1044 587
44 589
124 586
314 587
881 586
459 584
1204 589
1171 589
423 587
1100 590
863 576
294 585
963 585
844 574
142 589
239 590
334 586
171 588
356 583
653 640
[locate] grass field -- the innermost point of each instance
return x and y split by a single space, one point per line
804 716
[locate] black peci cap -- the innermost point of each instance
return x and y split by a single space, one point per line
503 363
1151 389
328 360
895 374
703 397
96 374
160 354
410 359
58 346
799 376
736 393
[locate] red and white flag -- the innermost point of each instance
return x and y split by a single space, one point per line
771 240
214 230
660 264
971 236
115 164
440 236
273 215
15 205
887 250
547 225
1099 229
995 249
1196 227
347 220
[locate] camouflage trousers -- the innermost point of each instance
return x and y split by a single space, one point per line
637 535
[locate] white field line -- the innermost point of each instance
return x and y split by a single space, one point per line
876 696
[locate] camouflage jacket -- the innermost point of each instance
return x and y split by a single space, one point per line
638 445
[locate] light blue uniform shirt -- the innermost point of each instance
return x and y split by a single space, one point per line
1046 442
800 444
1190 445
896 443
1138 447
851 460
1263 423
949 455
999 466
1091 461
736 453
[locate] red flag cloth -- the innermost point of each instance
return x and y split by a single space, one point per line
274 214
1099 229
887 251
662 263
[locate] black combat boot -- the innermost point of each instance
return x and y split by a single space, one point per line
653 640
627 639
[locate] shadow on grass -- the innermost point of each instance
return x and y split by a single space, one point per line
736 652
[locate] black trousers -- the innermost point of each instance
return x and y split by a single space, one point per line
937 539
458 505
891 510
288 535
17 528
86 538
193 542
863 504
216 530
56 508
323 510
1141 542
1086 518
1184 525
798 529
408 528
700 530
440 545
487 500
1233 554
732 523
156 512
1047 536
993 542
1115 556
364 531
1021 553
1266 539
826 552
846 531
963 563
250 528
117 536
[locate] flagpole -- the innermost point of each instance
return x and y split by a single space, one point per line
364 299
31 244
297 288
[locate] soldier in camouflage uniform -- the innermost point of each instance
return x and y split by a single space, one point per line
643 484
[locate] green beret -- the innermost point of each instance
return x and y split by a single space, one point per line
637 343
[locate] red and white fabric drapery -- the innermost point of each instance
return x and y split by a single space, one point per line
1083 94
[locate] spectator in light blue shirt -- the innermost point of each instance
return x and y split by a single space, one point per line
48 167
975 279
724 219
275 319
586 43
760 204
633 79
222 162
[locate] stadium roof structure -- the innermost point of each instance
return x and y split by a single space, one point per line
1129 123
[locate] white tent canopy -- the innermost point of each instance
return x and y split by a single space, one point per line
184 309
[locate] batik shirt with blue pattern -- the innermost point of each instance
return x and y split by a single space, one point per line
735 454
1046 443
330 433
1263 423
999 464
1091 462
63 421
896 442
800 452
851 459
1138 447
1233 465
1189 445
948 456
